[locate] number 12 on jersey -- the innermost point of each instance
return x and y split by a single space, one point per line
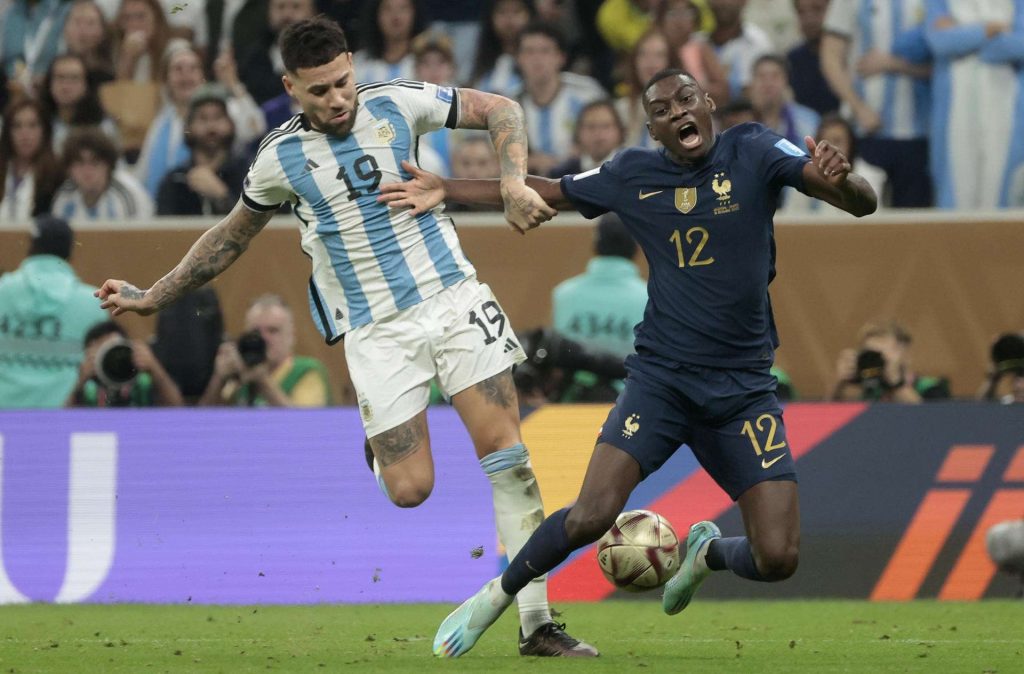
696 237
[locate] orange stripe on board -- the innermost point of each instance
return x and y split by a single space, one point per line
920 545
974 570
1015 471
965 463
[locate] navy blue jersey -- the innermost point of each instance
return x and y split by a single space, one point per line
706 229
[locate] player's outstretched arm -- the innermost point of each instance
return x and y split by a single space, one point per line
829 177
214 252
503 118
426 190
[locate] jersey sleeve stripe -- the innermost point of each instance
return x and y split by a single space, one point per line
453 114
256 206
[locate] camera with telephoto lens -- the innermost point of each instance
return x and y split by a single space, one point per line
547 350
114 364
252 348
1008 354
871 369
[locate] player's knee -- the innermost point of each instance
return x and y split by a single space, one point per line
587 524
409 493
777 562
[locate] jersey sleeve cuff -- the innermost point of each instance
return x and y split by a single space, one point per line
453 113
257 206
586 209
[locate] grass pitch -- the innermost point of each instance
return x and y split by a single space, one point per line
811 636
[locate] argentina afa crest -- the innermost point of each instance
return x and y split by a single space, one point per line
686 199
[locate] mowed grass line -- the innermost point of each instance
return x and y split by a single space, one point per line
761 637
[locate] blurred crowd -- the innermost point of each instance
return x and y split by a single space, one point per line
118 109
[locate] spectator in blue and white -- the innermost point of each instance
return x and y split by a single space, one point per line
72 101
977 127
809 85
738 43
96 190
435 64
599 136
30 37
772 98
164 146
494 68
884 93
551 98
385 41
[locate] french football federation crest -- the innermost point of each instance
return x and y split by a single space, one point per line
631 426
686 199
722 188
384 131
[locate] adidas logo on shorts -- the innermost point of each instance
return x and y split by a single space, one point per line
510 345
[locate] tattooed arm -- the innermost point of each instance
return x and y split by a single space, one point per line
209 256
524 209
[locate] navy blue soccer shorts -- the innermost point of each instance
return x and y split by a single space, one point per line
730 418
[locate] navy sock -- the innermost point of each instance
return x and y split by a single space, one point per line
734 554
547 548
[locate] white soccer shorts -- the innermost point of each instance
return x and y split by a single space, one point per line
460 335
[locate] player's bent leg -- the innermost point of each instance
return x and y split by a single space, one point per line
403 461
611 477
771 515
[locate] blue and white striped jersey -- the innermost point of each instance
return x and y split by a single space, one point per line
870 25
369 261
550 127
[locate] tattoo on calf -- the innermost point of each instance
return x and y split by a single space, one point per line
499 389
394 445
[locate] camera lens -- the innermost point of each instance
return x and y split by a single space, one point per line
252 348
114 366
1008 353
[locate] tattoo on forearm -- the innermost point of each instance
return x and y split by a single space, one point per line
128 291
393 445
210 255
499 389
508 133
504 119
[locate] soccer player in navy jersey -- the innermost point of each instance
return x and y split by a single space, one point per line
701 209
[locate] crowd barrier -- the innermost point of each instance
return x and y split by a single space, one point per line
952 278
278 506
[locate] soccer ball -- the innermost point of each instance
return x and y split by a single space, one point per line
640 552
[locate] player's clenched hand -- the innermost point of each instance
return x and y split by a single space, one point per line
524 208
827 158
121 297
419 194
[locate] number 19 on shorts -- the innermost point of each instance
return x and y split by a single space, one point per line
490 320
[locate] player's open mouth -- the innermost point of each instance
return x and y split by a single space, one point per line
689 136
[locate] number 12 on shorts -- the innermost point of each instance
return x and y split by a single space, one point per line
490 314
766 425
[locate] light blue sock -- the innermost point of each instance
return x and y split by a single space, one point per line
380 480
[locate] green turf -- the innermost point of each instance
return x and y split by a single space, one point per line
712 637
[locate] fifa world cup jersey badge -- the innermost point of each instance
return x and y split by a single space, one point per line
365 411
723 188
631 426
384 132
686 199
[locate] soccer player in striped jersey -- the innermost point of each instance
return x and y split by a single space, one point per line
396 287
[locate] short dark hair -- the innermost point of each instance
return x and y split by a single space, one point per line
777 59
546 29
93 140
666 73
51 236
312 42
612 239
101 330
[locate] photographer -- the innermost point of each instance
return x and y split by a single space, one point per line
559 370
1007 357
260 369
118 372
881 369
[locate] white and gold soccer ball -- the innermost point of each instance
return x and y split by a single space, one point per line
640 552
